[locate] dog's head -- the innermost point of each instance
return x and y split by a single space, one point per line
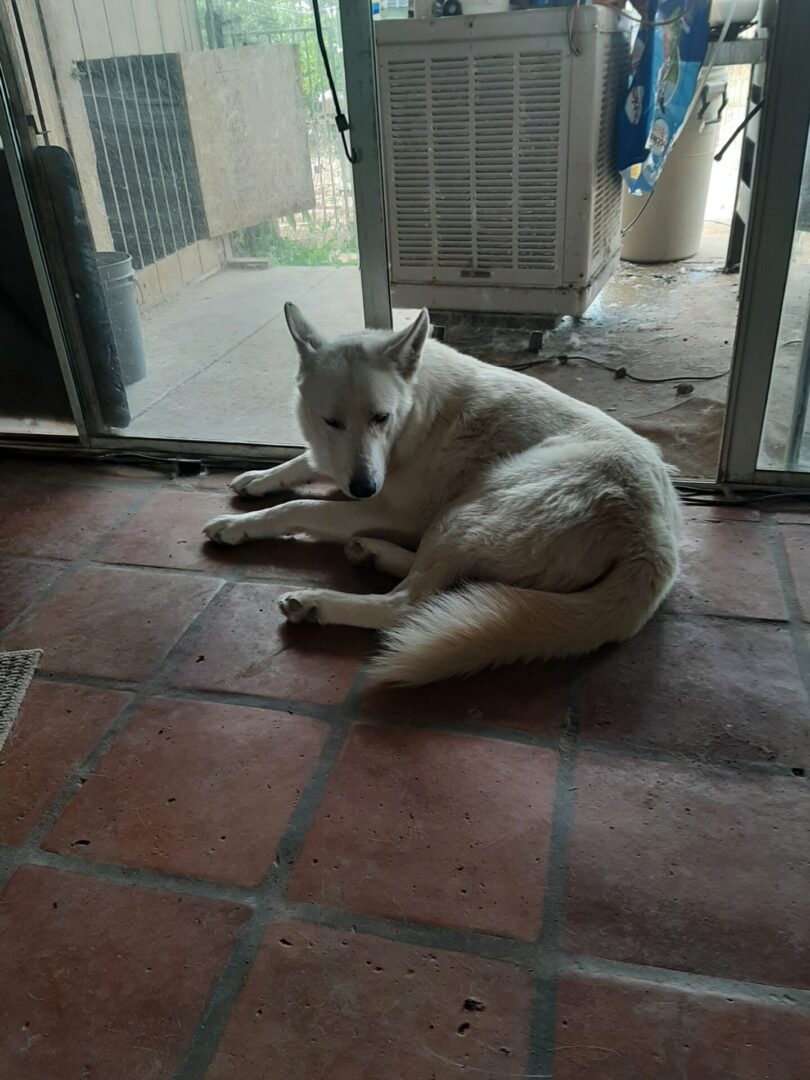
355 394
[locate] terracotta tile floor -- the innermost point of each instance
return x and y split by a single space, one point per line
222 856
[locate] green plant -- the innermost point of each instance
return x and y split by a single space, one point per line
296 241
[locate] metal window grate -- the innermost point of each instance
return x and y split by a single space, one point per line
136 107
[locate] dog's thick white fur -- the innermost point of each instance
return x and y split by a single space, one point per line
523 523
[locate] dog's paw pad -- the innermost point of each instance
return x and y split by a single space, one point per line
298 609
225 530
357 552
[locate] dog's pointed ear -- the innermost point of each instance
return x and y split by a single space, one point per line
405 350
305 336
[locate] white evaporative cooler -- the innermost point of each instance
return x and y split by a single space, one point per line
498 142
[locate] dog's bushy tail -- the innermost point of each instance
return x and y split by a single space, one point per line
484 625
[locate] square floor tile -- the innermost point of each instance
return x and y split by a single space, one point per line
708 688
698 869
101 980
167 531
727 569
194 788
634 1030
114 623
337 1004
435 828
21 582
57 727
246 647
60 521
530 697
797 545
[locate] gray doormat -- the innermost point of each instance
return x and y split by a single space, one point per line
16 672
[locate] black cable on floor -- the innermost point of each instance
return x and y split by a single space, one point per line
617 372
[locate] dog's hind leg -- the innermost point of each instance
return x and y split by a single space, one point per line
378 611
382 554
375 612
280 478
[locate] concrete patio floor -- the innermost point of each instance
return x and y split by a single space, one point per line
221 363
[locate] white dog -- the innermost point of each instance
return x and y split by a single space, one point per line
523 524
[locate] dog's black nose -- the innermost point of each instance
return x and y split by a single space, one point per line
360 487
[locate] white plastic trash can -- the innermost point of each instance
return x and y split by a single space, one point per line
671 226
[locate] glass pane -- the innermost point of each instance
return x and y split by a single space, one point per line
785 444
204 159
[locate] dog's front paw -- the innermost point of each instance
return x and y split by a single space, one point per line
299 607
227 529
249 483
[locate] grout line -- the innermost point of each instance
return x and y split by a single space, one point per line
242 572
740 766
543 1040
523 954
167 690
270 901
462 727
142 878
799 630
618 970
700 617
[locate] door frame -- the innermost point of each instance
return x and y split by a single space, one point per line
20 132
775 197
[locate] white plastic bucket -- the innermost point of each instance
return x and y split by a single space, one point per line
670 228
118 282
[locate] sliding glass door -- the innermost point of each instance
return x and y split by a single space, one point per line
767 436
186 178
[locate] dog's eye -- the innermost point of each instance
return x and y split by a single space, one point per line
332 423
380 418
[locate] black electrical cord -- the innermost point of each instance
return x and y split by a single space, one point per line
701 497
340 118
618 372
721 152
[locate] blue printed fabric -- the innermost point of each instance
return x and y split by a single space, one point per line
664 71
